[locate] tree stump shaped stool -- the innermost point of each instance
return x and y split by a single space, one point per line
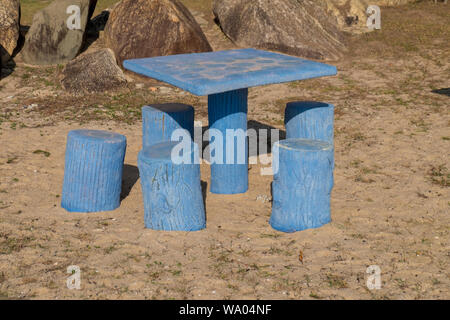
173 199
309 120
93 171
302 184
159 121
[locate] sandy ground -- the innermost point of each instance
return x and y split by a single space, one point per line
390 203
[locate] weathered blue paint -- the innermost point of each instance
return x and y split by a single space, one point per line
302 184
159 121
228 111
93 171
173 199
221 71
310 120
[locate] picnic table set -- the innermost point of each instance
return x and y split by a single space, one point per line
172 194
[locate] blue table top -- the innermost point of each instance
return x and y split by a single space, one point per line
220 71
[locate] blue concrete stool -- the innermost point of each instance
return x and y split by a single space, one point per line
309 120
173 199
93 171
159 121
302 184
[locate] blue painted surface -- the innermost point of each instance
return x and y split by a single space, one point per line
159 121
310 120
302 184
229 111
93 171
220 71
173 199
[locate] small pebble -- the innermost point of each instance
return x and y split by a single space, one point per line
31 106
263 198
165 90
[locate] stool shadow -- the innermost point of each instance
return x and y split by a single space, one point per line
271 194
443 91
130 176
204 193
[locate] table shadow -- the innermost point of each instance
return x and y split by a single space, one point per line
259 149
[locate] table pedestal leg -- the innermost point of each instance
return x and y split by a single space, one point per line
227 113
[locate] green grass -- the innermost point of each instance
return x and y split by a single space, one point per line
440 176
30 7
335 281
45 153
407 31
11 244
315 295
12 159
204 6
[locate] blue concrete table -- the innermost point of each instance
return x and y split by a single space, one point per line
225 77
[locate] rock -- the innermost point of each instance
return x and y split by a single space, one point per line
49 40
93 72
351 14
30 107
301 28
148 28
201 21
9 28
391 2
165 90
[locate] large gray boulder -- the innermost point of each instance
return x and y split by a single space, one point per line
302 28
50 40
9 28
93 72
148 28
